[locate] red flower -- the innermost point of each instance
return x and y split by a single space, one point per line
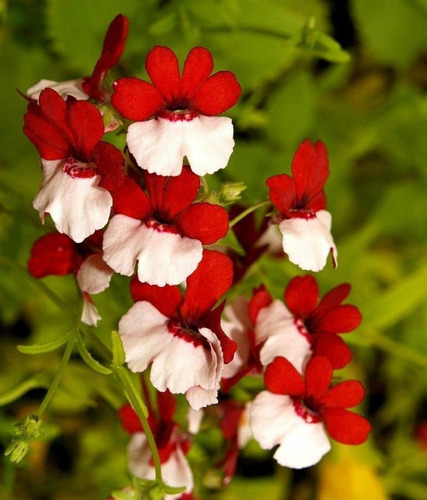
315 400
321 321
163 229
112 49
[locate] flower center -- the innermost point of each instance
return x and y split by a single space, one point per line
190 335
178 115
307 414
302 329
161 227
78 169
302 214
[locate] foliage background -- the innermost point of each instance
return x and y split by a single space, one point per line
369 109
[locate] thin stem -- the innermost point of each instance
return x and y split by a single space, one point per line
249 210
134 399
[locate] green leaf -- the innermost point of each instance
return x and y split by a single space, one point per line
42 348
89 360
117 348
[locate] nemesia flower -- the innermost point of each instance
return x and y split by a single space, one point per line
164 231
181 337
92 87
79 169
296 413
172 444
304 222
56 254
175 115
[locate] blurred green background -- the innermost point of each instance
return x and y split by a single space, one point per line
352 73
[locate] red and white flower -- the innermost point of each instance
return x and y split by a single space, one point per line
304 222
58 255
172 444
175 116
164 231
181 337
298 413
79 169
92 86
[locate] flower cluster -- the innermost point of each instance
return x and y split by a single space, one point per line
142 213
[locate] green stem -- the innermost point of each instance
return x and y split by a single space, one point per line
249 210
134 399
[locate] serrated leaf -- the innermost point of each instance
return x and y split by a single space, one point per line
42 348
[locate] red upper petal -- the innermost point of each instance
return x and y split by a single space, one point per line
213 322
129 419
282 192
333 347
302 295
261 298
136 99
310 169
212 278
115 38
166 405
318 376
281 377
170 195
162 67
87 127
220 92
344 395
53 254
197 68
345 426
165 299
342 319
129 199
333 299
204 222
109 161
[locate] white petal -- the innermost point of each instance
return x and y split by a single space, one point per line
64 89
308 242
77 206
90 314
194 418
208 143
274 421
160 145
175 471
276 326
163 258
144 333
304 446
236 327
244 432
94 275
272 238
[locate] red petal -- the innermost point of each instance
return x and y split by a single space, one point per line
212 278
54 109
166 406
344 395
129 199
302 295
310 169
282 192
343 319
333 347
115 38
50 143
129 419
281 377
197 68
53 254
333 299
213 322
204 222
87 127
165 299
109 161
220 92
136 99
163 69
318 376
170 195
261 298
345 426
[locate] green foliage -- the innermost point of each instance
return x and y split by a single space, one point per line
365 101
